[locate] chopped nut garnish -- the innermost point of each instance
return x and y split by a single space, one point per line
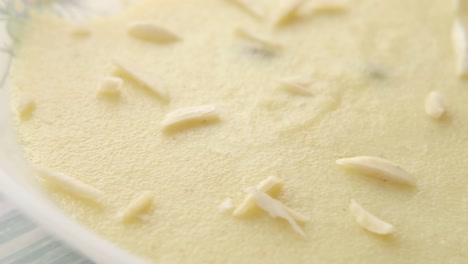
434 105
378 167
136 207
190 115
369 221
70 185
152 83
151 31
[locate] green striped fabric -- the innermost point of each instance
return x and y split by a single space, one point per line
23 242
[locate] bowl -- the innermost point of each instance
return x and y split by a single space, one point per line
17 182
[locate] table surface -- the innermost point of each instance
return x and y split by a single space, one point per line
23 242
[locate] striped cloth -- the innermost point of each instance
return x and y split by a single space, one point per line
23 242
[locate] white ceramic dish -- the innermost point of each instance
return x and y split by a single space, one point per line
17 182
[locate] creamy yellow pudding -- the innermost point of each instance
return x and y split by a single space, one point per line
149 128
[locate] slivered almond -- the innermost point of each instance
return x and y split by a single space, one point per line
297 85
190 115
261 40
151 31
253 7
110 87
369 221
226 205
70 185
268 186
286 11
378 167
25 108
136 207
460 45
150 82
434 105
273 207
296 216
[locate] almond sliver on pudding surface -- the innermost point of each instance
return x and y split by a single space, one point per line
369 69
